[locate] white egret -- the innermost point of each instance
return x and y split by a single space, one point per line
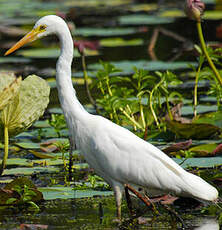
115 153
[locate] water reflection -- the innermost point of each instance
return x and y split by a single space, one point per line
208 224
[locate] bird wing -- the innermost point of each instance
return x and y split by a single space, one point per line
126 158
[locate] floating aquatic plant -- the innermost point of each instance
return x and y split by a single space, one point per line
27 106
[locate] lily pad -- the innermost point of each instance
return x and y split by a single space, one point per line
19 162
200 162
214 118
192 130
203 150
16 60
127 67
51 53
114 42
174 13
104 32
188 110
29 171
143 19
28 145
212 15
52 193
143 7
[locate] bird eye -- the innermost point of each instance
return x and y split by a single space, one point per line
42 27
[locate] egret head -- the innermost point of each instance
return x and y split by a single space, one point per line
43 27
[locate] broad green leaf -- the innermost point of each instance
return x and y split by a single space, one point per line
205 149
28 145
41 124
188 110
27 106
95 3
192 130
144 19
214 118
19 162
51 53
30 171
41 155
127 67
104 32
9 86
212 15
52 193
11 60
114 42
200 162
143 7
174 13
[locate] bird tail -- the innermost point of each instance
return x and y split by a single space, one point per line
197 188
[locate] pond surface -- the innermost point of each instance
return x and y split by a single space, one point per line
120 31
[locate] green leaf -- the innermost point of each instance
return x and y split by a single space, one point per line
52 53
200 162
127 67
174 13
11 60
51 193
89 31
143 19
212 15
192 130
188 110
204 150
11 200
9 86
28 145
30 171
19 162
27 106
114 42
213 118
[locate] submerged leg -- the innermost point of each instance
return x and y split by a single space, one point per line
71 149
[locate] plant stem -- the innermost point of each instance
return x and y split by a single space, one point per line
152 110
92 101
142 115
203 45
168 108
131 119
5 150
131 114
195 91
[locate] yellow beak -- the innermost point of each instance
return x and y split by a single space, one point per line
31 36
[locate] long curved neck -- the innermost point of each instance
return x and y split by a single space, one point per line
67 94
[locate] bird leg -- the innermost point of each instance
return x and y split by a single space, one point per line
128 201
146 200
118 197
71 149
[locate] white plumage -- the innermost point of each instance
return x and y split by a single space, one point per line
115 153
